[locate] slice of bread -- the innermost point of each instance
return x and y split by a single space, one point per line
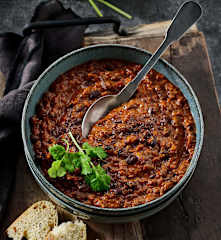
69 231
35 223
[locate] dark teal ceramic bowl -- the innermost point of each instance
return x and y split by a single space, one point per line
94 53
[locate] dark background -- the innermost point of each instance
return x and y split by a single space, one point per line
15 13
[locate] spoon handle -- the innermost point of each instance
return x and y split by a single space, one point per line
185 17
126 93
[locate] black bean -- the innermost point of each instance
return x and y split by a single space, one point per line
190 128
150 110
165 157
117 121
80 107
83 186
152 176
131 159
153 143
122 153
109 67
117 191
77 121
131 185
94 94
133 106
71 105
113 184
119 152
34 138
107 148
147 135
163 121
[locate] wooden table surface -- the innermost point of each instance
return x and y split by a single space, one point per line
196 213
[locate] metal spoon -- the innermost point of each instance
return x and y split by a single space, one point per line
185 17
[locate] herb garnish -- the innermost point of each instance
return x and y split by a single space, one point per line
113 7
65 161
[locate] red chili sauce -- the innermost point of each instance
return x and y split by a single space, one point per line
150 139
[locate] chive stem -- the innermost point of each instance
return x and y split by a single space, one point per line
116 9
75 142
95 7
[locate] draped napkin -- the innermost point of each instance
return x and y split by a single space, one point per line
22 60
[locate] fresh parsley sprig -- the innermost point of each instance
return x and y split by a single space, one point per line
65 161
98 180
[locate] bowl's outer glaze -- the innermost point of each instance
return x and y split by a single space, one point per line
121 52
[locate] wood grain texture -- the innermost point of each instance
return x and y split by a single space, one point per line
24 193
136 34
196 213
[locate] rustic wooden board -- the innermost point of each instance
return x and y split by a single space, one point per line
196 214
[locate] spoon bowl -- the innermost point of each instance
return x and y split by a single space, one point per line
97 110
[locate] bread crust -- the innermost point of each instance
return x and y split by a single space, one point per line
35 222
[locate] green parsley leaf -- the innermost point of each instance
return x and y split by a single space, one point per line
100 152
88 149
99 180
76 159
68 164
57 151
94 151
61 172
85 164
52 172
71 161
56 169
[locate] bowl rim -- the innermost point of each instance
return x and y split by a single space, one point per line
150 204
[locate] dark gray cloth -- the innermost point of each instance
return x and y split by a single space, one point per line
22 59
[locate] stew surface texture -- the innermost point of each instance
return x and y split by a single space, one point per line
150 140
